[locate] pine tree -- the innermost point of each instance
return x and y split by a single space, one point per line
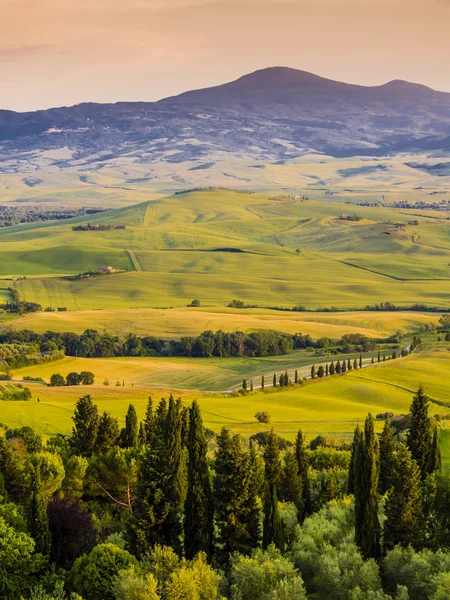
291 484
360 361
130 433
366 474
313 372
388 452
351 470
262 382
332 369
142 438
435 459
420 435
404 508
272 527
38 520
149 421
198 510
107 433
301 455
161 484
232 490
85 429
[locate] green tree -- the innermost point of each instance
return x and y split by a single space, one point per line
57 380
435 459
262 382
404 514
107 433
87 378
132 585
296 376
367 526
360 361
355 364
149 421
332 369
420 435
94 575
198 510
130 433
291 484
272 526
338 367
301 455
232 497
244 385
274 383
388 451
354 450
313 372
320 372
85 429
19 564
37 519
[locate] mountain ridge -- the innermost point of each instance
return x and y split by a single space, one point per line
270 114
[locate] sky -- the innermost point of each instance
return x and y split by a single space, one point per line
63 52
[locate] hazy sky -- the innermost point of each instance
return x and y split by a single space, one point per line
61 52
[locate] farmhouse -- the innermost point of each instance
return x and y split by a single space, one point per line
106 269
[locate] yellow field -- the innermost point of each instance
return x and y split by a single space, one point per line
331 406
175 323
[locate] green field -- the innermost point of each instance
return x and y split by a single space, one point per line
332 406
217 245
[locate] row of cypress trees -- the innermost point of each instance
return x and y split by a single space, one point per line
397 470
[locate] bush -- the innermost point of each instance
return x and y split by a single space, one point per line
262 417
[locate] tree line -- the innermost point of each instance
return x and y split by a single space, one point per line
94 344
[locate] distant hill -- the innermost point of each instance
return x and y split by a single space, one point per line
272 114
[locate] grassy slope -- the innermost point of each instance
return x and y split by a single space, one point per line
331 406
170 243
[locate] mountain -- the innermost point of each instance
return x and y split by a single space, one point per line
272 114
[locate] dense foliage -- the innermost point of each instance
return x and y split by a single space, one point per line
159 510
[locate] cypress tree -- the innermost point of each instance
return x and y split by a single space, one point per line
371 538
355 364
420 435
142 438
296 376
281 380
198 508
349 365
291 484
274 380
38 520
326 370
251 385
272 526
130 433
379 356
351 470
338 367
320 371
384 357
244 385
404 507
388 452
332 369
149 421
286 379
373 360
435 459
184 426
366 474
344 366
262 382
313 372
301 455
360 361
107 434
85 429
232 490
